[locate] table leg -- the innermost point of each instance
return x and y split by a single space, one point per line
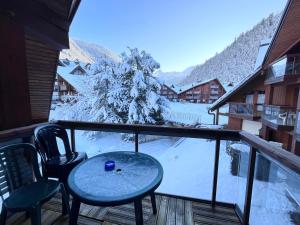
138 209
153 201
74 212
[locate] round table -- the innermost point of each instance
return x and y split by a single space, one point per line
135 175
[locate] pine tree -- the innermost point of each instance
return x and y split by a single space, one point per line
102 109
141 88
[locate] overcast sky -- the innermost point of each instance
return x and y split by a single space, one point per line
177 33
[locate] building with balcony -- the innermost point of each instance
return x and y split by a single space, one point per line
70 80
169 92
202 92
271 94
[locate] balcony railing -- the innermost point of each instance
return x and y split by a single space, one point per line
265 179
280 116
245 109
285 67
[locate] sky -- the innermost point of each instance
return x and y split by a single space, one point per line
177 33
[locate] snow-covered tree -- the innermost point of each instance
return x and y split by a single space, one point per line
141 88
102 108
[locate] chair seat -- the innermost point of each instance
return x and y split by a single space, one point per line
62 165
27 196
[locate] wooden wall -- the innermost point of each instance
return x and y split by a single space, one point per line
41 69
235 123
14 98
288 33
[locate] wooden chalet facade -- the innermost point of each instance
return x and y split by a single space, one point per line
38 30
69 78
201 92
169 92
270 98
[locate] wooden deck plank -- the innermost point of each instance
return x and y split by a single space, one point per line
162 212
171 211
171 218
188 213
179 212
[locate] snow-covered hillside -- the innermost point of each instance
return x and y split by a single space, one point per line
238 59
87 52
173 77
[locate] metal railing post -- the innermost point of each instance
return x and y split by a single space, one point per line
216 168
73 139
249 187
136 142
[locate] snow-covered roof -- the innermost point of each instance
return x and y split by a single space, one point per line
262 51
222 100
77 81
181 89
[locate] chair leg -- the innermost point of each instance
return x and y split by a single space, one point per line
65 200
3 215
36 215
153 201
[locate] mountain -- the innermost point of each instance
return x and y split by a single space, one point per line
173 77
237 60
87 52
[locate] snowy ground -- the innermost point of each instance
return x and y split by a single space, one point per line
188 170
191 113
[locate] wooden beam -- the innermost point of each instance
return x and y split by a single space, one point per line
14 91
40 21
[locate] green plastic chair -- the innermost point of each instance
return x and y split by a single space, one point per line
22 187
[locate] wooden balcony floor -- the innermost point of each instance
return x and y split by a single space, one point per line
171 211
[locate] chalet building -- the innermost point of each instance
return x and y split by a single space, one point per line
267 103
202 92
70 80
169 92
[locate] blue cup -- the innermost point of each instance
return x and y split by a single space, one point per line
109 165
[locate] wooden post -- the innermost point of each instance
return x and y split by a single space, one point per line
217 116
73 146
216 168
249 186
136 142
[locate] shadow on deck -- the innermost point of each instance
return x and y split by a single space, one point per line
171 211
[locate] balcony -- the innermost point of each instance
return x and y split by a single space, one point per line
245 110
285 70
245 179
279 117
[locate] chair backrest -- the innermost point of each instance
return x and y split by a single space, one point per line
46 140
18 167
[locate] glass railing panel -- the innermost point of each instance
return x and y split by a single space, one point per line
283 67
285 116
276 194
188 164
242 108
232 175
298 123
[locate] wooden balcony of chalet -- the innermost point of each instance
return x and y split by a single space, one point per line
174 209
171 210
279 117
285 70
245 110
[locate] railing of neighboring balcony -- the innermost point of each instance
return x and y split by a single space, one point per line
261 181
245 110
288 66
297 129
280 117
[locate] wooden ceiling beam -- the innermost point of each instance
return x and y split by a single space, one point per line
39 20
